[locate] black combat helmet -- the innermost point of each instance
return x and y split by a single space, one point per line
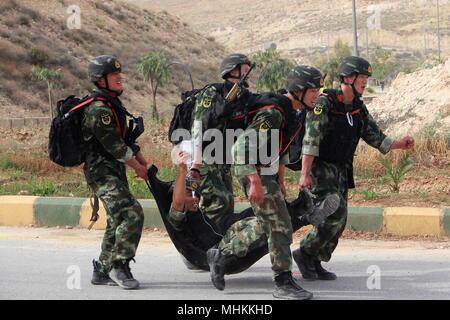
304 77
231 62
356 65
100 66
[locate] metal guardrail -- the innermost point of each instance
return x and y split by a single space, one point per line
17 123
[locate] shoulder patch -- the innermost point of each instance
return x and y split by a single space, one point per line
106 118
266 125
206 102
318 109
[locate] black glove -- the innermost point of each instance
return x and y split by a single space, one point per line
242 95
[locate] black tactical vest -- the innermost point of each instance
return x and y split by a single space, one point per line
341 140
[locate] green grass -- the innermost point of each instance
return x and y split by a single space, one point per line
364 174
42 187
37 179
433 173
421 194
368 194
6 163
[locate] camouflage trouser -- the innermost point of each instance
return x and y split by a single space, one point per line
125 220
274 218
321 241
243 236
216 187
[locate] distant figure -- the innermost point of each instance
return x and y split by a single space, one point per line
382 85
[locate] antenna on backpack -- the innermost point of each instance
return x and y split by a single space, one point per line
186 69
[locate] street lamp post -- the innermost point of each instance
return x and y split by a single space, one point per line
355 35
438 32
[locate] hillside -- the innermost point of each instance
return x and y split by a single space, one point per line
304 28
36 33
417 103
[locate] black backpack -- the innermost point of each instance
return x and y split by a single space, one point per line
182 116
66 146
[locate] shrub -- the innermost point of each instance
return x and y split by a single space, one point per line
396 170
38 56
23 21
104 8
33 14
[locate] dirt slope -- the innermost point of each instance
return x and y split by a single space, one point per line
36 33
417 103
301 28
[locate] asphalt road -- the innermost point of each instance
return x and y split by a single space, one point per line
50 263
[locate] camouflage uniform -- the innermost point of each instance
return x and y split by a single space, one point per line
176 218
242 237
329 176
272 214
216 185
105 174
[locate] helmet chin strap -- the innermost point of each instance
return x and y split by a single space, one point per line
301 99
355 92
116 93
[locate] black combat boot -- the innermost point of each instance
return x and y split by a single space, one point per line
100 278
304 212
323 274
324 209
305 264
218 261
287 288
121 274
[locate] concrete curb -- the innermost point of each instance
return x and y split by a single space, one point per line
76 212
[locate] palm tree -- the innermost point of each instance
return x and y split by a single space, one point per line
53 78
155 69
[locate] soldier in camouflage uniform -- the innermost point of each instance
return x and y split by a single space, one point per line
333 129
263 186
216 185
104 126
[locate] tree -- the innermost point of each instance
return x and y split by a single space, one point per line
330 64
271 69
155 69
382 63
53 78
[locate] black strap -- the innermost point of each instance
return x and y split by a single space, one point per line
95 207
114 103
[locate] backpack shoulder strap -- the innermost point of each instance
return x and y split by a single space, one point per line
82 104
101 97
218 86
332 96
253 111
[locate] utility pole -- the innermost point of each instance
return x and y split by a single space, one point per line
355 34
438 32
367 42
